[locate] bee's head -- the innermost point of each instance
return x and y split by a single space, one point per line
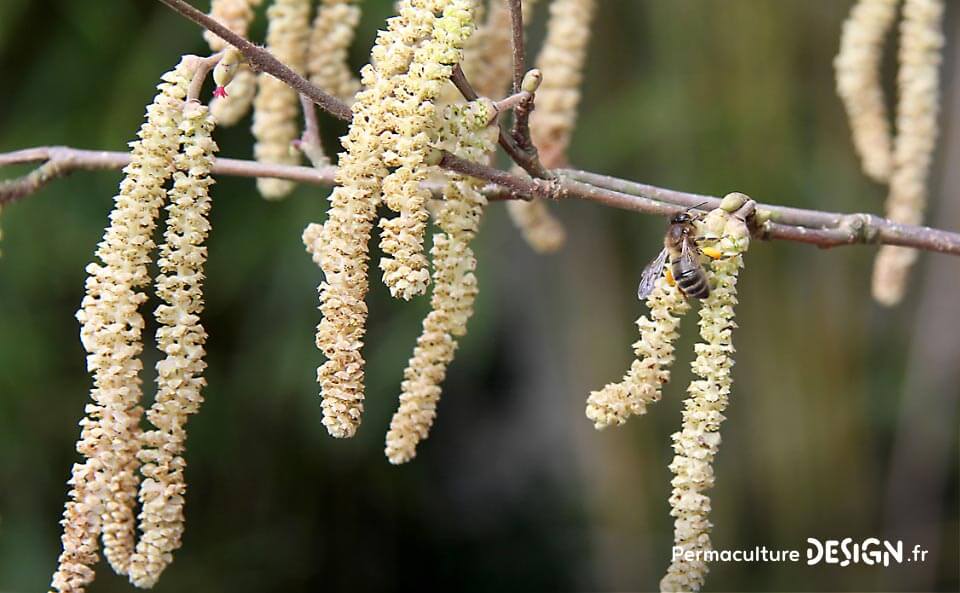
687 215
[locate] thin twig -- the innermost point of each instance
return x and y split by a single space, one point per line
15 189
824 229
263 61
59 161
204 66
459 80
516 36
512 101
520 145
525 159
310 142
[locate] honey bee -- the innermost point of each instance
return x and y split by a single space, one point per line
680 246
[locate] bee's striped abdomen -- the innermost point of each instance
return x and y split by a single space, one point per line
692 282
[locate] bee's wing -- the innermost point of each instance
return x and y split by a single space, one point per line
689 255
648 279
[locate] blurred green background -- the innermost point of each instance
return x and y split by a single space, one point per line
843 421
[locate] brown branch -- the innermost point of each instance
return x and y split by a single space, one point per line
815 227
263 61
59 161
519 144
459 80
310 142
516 37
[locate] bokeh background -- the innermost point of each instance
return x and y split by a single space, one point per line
843 421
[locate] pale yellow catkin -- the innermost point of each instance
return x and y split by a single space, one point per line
561 62
698 441
344 253
918 80
413 113
276 106
333 30
858 73
105 483
650 371
236 15
181 338
465 131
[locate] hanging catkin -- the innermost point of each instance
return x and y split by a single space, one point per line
698 441
103 487
275 108
650 371
353 204
181 338
465 132
859 85
333 31
918 80
412 112
561 62
236 15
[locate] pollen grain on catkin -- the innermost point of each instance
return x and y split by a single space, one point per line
696 444
858 73
105 483
276 106
236 15
918 81
464 131
181 338
413 112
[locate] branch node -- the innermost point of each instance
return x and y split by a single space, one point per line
860 226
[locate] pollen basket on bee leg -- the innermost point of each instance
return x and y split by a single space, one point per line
711 252
670 279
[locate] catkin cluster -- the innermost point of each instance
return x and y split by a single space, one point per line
907 165
465 131
181 338
413 118
276 105
697 442
393 122
111 325
236 15
103 493
918 81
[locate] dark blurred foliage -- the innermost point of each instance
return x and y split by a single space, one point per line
514 491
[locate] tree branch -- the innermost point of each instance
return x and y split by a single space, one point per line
518 143
263 61
516 37
59 161
815 227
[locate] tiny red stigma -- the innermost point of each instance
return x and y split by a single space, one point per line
220 92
